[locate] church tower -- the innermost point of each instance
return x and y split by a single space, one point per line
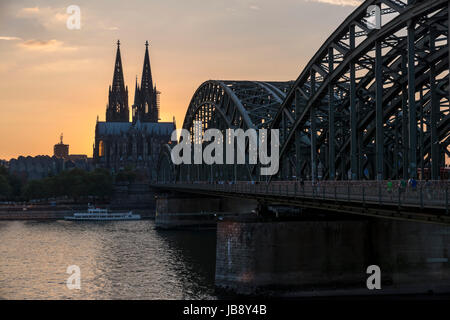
117 108
146 97
120 143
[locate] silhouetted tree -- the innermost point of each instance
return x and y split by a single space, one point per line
74 183
5 188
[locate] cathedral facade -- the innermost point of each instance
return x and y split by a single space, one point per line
121 143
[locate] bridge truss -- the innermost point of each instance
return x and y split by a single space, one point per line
372 103
225 105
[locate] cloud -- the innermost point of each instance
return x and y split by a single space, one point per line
29 11
353 3
52 18
42 45
255 7
242 6
9 38
47 16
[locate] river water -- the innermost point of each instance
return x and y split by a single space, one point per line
117 260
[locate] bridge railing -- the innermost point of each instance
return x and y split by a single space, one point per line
429 194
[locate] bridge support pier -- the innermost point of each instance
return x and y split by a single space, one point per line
187 211
331 257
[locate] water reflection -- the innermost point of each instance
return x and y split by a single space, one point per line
118 260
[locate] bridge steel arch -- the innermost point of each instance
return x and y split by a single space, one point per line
370 104
392 118
227 105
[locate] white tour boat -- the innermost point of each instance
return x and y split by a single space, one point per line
97 214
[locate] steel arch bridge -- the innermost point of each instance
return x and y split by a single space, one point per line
372 103
223 105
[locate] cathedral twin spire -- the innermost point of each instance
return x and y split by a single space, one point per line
117 108
146 104
146 81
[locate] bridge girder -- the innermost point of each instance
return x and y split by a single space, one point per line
373 75
226 105
370 104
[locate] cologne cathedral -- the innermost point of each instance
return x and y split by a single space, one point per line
120 143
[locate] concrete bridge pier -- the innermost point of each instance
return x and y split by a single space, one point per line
188 211
315 257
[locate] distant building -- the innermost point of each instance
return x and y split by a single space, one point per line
77 157
80 161
29 168
119 142
61 150
38 167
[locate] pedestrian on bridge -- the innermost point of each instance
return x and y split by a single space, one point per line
413 184
402 186
389 187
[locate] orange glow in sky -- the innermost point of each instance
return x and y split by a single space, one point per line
55 80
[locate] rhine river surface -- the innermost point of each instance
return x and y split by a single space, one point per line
117 260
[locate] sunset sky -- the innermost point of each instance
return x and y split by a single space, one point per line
56 80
